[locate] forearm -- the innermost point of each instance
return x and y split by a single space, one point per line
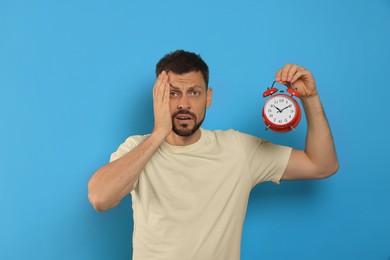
319 141
113 181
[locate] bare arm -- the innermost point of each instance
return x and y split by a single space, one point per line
319 159
113 181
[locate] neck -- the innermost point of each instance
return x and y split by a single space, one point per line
174 139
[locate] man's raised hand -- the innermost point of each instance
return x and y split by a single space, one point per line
299 78
162 113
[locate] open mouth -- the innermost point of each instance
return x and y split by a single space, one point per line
183 118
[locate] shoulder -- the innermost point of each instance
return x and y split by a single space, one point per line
129 144
247 141
134 139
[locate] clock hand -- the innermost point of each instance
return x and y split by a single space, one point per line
285 108
280 111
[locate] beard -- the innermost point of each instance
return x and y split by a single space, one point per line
184 129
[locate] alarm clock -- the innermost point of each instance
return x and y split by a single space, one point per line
281 112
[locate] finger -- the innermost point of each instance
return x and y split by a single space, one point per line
300 74
285 71
164 89
291 72
157 83
278 76
167 90
161 80
158 92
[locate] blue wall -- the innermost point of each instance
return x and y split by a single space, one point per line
76 80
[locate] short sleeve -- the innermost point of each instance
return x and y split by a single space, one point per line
127 146
266 161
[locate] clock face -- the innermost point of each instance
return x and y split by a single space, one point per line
280 110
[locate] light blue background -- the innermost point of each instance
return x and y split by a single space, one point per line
76 80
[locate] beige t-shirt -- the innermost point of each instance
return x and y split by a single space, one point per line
190 201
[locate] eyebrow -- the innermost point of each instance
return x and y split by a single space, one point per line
193 87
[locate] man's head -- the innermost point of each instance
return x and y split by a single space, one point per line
189 93
181 62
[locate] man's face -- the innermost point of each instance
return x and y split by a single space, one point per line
189 100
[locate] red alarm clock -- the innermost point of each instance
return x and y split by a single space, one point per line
281 112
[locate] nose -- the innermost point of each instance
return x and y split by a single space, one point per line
183 103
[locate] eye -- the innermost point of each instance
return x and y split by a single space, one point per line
195 93
173 94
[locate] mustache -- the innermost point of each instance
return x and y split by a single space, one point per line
183 112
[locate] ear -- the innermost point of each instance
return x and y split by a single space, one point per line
209 97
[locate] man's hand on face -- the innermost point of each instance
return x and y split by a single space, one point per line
299 78
162 113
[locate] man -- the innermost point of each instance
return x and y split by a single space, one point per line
190 186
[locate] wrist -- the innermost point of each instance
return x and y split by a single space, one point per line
312 105
160 134
310 99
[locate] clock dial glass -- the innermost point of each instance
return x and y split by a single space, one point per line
280 110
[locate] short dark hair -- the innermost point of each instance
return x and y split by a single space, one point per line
181 62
